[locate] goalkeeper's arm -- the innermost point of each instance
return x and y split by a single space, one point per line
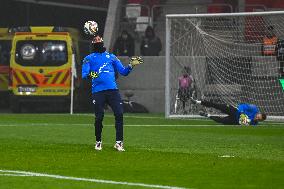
86 71
86 68
126 70
136 60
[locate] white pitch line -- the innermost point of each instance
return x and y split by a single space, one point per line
106 115
14 175
128 116
156 117
33 174
226 156
84 124
129 125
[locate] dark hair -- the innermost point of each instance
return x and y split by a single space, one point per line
263 115
99 47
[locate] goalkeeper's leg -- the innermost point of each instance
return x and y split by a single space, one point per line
115 102
225 108
228 120
99 100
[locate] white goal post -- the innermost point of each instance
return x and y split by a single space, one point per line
229 60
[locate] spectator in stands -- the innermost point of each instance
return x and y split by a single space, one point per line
269 43
124 45
151 44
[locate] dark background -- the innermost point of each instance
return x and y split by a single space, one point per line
13 13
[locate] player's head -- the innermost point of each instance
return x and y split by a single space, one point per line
98 44
260 117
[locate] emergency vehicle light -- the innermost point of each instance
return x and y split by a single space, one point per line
19 29
59 29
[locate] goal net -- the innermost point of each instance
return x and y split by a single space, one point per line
229 58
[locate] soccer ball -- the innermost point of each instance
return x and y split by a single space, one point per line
91 28
244 120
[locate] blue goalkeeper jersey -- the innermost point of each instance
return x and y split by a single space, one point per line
106 65
250 110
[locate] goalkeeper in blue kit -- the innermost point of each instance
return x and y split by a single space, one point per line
100 67
243 114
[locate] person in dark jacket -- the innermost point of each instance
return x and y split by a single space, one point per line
151 44
124 45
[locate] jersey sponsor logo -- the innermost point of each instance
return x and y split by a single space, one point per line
102 67
107 56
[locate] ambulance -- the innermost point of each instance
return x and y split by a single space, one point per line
40 66
5 48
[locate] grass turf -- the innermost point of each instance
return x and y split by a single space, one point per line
158 151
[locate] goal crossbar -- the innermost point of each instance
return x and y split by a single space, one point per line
225 14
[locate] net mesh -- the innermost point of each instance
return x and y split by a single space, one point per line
235 59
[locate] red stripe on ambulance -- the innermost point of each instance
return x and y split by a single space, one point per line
17 77
65 77
26 78
56 77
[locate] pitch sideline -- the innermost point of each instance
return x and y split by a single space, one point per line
17 173
107 125
129 125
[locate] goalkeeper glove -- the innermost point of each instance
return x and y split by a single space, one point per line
94 75
244 120
135 60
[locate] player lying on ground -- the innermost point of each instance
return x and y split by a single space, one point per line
101 66
243 114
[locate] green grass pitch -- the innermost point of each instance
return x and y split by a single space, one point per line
59 152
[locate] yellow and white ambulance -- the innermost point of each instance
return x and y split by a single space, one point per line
5 48
40 66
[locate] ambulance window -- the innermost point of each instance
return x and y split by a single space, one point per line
41 53
5 48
